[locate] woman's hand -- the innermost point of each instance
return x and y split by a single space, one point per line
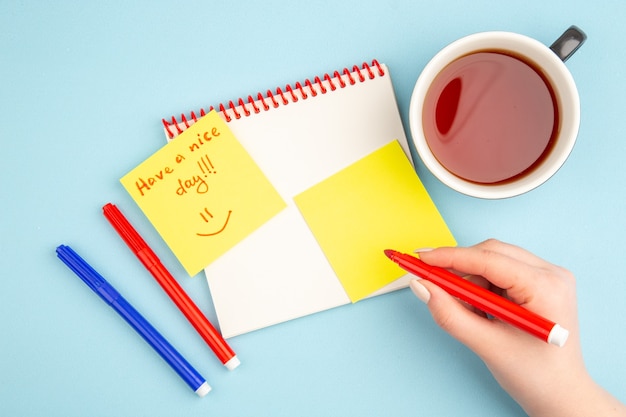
544 379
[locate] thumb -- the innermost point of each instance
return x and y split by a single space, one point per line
478 333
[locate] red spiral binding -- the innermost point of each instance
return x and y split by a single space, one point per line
245 108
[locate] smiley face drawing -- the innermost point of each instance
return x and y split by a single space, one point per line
207 216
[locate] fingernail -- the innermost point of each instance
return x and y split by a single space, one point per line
422 250
420 291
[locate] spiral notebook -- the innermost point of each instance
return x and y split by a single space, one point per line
334 148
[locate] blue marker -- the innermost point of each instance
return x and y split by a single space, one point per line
100 286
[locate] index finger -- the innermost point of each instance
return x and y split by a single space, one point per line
504 271
515 252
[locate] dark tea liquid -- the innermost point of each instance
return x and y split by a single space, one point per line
489 117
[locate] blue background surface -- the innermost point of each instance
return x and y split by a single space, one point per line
83 88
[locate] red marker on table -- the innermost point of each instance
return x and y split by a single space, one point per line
149 259
483 299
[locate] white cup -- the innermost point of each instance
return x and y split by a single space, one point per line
550 60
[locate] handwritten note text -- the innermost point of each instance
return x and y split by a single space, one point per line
203 193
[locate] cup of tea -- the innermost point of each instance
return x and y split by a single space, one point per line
496 114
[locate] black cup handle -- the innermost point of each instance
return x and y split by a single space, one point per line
568 42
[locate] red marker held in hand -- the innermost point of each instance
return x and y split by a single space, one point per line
483 299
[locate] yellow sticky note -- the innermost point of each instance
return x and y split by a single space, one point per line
374 204
203 193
